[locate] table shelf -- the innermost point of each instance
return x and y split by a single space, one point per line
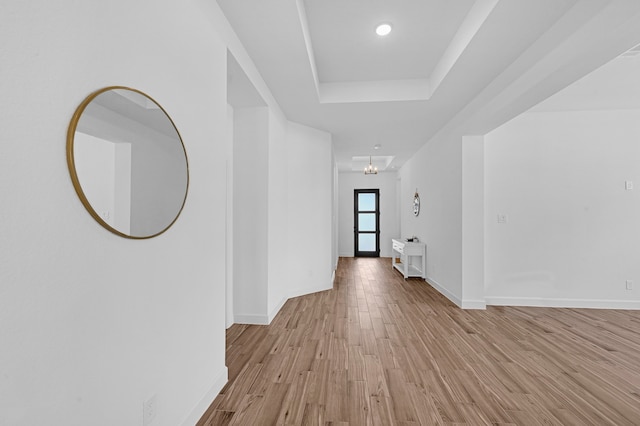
403 252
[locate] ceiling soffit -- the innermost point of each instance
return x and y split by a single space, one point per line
417 81
521 53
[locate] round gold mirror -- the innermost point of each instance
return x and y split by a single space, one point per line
127 162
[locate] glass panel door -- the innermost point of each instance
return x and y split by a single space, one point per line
366 219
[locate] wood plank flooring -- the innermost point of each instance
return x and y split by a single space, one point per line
379 350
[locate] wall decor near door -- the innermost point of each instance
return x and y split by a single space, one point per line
127 162
416 203
366 220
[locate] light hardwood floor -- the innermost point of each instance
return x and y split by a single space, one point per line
379 350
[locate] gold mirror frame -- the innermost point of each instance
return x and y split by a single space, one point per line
72 166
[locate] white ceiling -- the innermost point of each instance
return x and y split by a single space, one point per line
462 64
615 85
351 51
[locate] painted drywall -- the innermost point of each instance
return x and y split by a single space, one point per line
229 315
571 228
435 171
473 222
335 226
250 203
270 171
297 168
389 222
278 175
309 207
94 324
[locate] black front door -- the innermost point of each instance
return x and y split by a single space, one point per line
366 219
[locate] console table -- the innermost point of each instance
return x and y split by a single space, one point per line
404 251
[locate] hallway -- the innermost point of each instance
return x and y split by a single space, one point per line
381 350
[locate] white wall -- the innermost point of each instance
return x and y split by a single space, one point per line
309 209
311 147
389 222
473 222
572 229
229 314
278 275
335 215
436 172
94 324
250 203
270 174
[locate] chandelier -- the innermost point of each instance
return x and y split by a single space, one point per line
370 170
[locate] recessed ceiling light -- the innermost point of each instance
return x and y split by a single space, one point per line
383 29
377 146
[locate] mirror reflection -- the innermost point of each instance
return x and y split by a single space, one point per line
127 162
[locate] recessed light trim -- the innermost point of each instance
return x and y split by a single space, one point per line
383 29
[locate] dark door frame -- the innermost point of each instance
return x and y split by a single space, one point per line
357 252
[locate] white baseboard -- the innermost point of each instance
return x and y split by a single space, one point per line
305 291
383 254
207 399
266 319
445 292
473 304
275 310
563 303
461 303
257 319
251 319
